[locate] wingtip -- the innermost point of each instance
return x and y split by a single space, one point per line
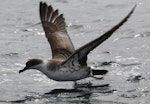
42 4
135 5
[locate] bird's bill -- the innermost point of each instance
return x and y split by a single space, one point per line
20 71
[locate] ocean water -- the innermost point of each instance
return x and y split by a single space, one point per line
126 55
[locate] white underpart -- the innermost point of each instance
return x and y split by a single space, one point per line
64 73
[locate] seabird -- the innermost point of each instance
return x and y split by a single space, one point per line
67 64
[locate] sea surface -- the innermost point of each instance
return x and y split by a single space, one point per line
126 54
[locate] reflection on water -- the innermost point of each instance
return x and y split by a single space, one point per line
80 94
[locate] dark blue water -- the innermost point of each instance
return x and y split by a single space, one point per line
125 54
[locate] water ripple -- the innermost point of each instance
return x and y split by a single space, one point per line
136 78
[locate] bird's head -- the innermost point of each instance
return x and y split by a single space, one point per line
32 64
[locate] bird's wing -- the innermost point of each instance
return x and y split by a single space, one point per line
79 57
55 30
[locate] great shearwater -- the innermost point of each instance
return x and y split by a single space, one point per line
67 64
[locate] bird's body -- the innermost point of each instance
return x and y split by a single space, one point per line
67 64
53 71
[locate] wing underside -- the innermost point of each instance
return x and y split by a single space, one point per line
55 30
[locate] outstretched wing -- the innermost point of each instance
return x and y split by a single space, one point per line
55 30
79 57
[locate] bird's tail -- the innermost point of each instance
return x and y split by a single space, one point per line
97 73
